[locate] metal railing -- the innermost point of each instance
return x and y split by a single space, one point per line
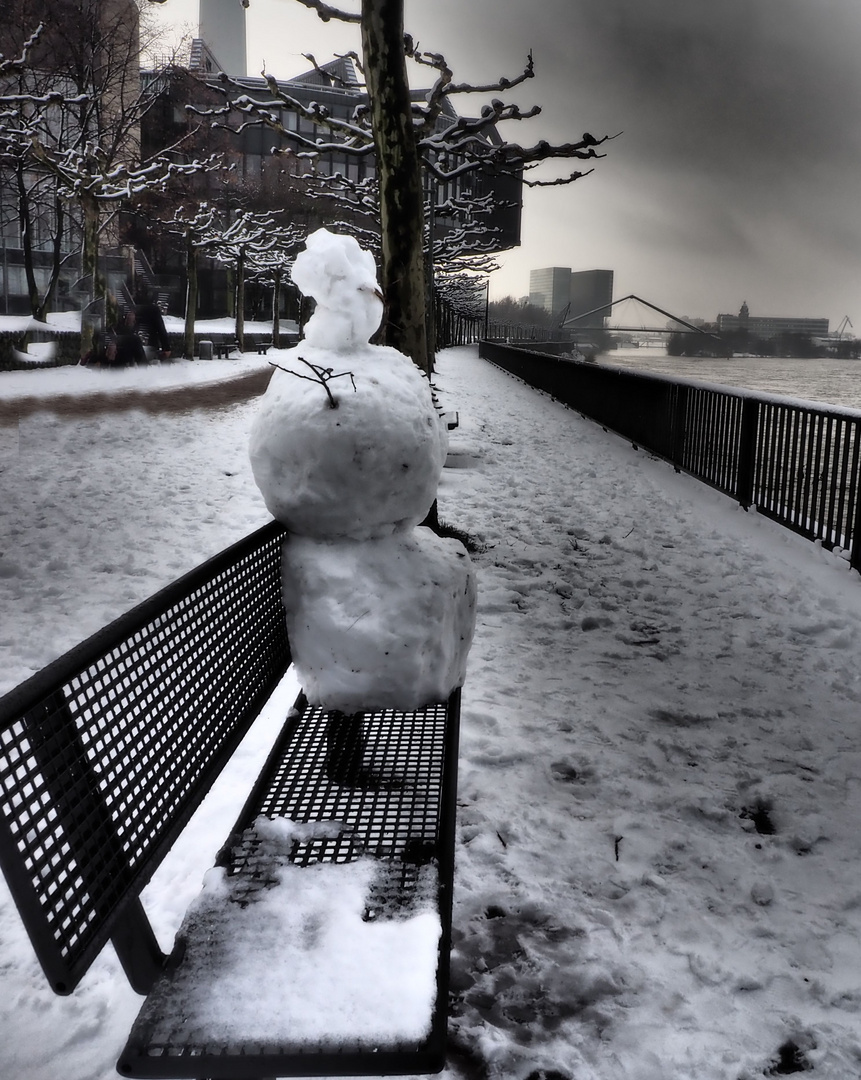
797 462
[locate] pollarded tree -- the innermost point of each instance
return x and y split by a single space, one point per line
197 227
253 245
466 245
269 267
247 243
87 178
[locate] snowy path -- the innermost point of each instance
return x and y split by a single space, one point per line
654 674
651 665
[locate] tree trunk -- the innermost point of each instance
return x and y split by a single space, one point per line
190 297
240 301
430 312
56 261
276 311
27 238
399 174
90 272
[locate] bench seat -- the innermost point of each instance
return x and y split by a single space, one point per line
387 782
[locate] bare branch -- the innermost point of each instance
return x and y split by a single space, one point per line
559 182
438 62
326 12
357 137
321 376
336 79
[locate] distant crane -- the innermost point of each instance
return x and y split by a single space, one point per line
846 322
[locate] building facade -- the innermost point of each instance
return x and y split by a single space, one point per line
590 290
222 27
550 288
767 327
563 291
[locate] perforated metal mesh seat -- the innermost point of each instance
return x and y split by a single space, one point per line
390 779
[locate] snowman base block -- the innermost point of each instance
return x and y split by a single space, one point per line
385 623
342 798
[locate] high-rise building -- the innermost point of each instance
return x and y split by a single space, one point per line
222 27
558 289
550 288
591 289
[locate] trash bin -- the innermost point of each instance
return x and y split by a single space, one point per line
204 350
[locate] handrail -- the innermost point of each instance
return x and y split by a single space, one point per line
795 461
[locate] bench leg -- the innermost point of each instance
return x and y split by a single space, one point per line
345 752
137 947
345 748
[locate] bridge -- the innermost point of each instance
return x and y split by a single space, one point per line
574 322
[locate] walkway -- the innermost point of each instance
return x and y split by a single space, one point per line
661 776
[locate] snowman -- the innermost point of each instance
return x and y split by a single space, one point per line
347 450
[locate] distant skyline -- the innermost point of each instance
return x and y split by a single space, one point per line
736 174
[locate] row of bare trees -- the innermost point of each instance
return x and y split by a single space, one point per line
71 106
412 139
71 109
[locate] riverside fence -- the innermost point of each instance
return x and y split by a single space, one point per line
796 462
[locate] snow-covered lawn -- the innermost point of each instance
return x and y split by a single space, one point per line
656 676
81 381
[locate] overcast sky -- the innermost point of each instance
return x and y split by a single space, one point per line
738 173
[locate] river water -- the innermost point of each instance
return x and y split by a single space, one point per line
829 381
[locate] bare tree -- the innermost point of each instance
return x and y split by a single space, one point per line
32 205
250 243
197 226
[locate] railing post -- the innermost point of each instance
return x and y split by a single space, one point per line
747 451
680 414
855 543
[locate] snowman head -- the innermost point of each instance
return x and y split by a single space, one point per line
342 278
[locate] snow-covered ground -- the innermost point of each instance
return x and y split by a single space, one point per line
656 675
81 381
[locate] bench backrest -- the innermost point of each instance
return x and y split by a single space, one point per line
106 753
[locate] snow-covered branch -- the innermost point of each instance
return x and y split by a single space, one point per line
14 65
352 137
450 146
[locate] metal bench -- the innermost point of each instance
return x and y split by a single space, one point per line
223 349
106 753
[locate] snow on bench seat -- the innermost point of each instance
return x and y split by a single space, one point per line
320 942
